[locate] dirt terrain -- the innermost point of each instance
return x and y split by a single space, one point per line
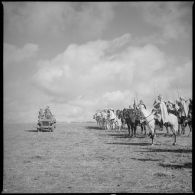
80 157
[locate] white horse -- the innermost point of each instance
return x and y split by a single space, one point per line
105 121
149 117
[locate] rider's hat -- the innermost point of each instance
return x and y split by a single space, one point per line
160 96
141 102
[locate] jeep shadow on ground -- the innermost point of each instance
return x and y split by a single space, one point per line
31 130
34 130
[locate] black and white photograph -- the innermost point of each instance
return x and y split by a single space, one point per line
97 97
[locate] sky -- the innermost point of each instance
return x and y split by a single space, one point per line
78 57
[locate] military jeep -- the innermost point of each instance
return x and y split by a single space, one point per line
45 124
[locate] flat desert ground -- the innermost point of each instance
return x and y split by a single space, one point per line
81 158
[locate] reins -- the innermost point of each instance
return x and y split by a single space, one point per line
149 121
147 116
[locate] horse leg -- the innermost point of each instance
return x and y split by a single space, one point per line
111 125
107 125
161 126
141 128
183 128
128 128
167 128
190 128
174 130
174 138
133 130
121 124
152 137
179 128
145 129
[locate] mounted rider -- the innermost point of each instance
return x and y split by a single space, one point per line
142 119
190 108
142 103
111 117
170 107
161 109
184 107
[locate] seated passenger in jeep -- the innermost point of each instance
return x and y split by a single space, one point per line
41 114
48 114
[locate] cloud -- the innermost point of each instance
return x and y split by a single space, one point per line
172 18
88 77
13 54
52 20
184 77
95 75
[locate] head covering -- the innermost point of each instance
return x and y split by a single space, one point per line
41 111
171 101
177 100
181 98
160 97
141 102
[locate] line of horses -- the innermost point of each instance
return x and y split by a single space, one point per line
140 116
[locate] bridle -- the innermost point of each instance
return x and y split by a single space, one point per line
147 117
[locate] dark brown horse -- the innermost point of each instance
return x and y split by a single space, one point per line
132 120
183 121
189 117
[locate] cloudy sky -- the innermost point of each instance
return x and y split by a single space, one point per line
78 57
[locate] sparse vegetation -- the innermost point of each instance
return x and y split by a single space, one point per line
79 157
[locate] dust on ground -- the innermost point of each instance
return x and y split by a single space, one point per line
80 157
